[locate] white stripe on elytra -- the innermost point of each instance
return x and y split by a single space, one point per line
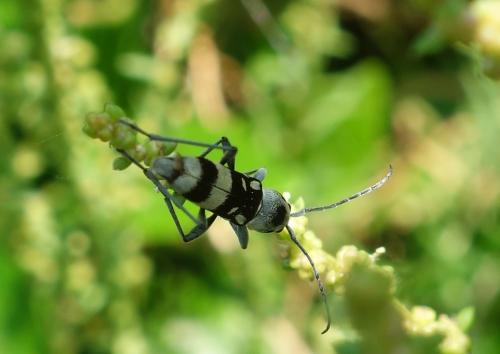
255 185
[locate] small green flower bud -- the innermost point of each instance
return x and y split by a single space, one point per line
123 137
129 140
121 163
105 133
166 148
138 152
90 119
152 151
88 130
97 121
152 148
148 160
114 111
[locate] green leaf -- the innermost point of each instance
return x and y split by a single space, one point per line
465 318
121 163
88 130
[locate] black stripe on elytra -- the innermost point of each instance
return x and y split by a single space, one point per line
202 189
246 199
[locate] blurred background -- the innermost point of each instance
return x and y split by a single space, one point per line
323 93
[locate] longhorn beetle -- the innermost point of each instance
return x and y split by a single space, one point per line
232 195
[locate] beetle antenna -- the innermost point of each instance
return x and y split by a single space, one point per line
156 137
316 275
348 199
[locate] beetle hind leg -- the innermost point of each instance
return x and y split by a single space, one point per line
202 224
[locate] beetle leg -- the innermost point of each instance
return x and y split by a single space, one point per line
259 173
201 226
156 137
229 154
242 233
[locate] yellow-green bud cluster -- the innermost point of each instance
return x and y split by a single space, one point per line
333 268
423 321
486 15
107 127
369 290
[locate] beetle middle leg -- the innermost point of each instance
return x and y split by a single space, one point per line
201 222
229 159
199 229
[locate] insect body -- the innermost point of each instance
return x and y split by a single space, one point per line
234 196
229 194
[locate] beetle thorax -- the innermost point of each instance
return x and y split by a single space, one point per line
273 214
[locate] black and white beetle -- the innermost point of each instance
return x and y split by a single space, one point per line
234 196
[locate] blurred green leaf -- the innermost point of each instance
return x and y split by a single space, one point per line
465 318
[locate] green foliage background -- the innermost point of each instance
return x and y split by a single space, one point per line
324 94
